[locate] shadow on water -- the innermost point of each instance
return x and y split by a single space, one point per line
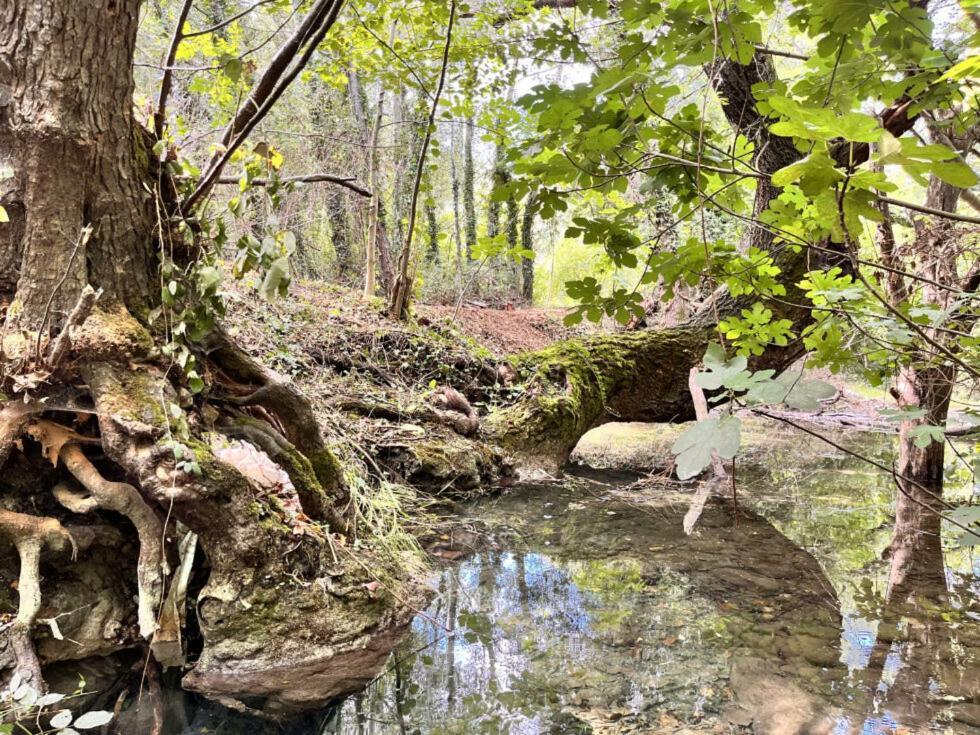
593 612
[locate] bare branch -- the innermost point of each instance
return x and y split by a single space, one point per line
227 21
283 69
345 181
930 210
166 83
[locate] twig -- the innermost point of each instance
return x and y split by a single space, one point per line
930 210
281 72
345 181
227 21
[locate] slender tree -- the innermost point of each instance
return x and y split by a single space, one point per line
527 244
469 194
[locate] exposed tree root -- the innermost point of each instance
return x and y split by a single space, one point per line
122 498
30 535
13 420
291 409
301 472
454 410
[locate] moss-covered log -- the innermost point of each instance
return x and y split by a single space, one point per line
575 385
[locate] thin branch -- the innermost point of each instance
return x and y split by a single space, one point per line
345 181
227 22
283 69
400 296
777 52
930 210
166 83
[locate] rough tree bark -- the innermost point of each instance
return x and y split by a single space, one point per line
77 159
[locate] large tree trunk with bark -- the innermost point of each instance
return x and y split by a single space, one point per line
104 450
68 136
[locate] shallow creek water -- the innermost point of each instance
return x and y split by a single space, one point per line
589 610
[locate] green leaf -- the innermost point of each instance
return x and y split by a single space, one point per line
966 515
718 369
969 67
805 395
232 68
3 215
276 279
693 448
955 173
925 434
856 127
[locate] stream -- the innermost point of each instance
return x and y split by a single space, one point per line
586 608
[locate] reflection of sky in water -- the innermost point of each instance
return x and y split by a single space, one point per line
545 635
857 641
590 635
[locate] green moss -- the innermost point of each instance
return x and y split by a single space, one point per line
268 514
574 385
327 468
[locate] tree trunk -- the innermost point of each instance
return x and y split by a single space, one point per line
497 179
340 233
527 243
375 218
432 226
469 195
77 159
457 229
512 222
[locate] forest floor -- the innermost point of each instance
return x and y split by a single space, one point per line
373 381
505 331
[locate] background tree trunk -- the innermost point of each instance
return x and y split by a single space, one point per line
527 243
921 385
469 195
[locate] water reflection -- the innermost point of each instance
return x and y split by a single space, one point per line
595 613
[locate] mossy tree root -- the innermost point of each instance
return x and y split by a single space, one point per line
290 409
30 535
